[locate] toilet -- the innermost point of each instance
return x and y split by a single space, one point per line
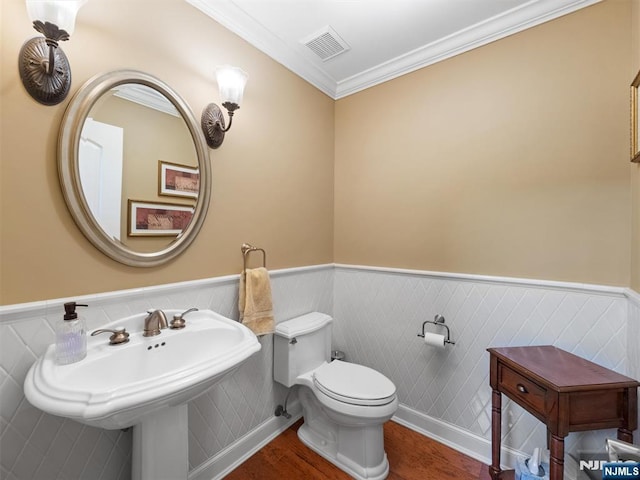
344 405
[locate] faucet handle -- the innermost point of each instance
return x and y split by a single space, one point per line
178 322
119 335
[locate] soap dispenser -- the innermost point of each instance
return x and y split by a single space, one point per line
71 338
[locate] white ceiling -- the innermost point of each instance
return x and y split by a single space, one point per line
386 38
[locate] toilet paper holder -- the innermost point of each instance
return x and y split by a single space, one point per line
439 321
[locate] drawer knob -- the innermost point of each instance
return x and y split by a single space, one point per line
522 388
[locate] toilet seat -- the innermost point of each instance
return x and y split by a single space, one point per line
354 384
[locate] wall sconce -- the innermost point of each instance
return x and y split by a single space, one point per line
231 82
44 68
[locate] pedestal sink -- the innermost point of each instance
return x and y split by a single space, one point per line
145 383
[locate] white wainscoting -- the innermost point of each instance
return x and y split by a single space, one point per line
35 445
444 394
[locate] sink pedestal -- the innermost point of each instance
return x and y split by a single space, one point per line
160 445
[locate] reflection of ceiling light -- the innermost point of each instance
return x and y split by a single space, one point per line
44 68
147 97
231 83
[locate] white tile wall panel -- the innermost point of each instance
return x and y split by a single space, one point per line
633 337
633 340
35 445
378 314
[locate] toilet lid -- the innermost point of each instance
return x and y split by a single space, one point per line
354 384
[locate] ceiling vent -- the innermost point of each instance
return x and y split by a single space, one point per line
326 43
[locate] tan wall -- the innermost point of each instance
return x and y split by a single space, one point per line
272 178
511 159
635 168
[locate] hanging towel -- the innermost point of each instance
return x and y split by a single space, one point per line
254 301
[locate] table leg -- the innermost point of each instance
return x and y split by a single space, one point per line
625 435
556 462
630 415
496 433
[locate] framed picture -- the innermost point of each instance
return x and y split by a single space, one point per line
154 219
635 120
178 180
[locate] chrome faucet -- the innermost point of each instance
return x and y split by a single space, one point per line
155 321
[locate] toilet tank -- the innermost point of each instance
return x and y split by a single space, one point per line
300 345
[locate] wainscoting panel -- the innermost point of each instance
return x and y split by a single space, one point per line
35 445
633 340
379 313
444 393
244 400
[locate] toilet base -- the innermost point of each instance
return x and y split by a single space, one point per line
354 444
328 449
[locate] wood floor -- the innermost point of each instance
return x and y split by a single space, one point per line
411 457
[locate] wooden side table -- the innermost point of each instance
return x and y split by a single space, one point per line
566 392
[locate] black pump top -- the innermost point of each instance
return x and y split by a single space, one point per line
70 310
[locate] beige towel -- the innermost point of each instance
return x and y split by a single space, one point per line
254 302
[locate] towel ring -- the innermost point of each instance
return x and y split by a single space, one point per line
246 249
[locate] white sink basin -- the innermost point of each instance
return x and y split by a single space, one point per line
117 386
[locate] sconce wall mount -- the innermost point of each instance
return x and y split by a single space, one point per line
213 123
44 69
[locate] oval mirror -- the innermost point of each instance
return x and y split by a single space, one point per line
133 167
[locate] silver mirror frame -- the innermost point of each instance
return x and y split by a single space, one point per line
69 174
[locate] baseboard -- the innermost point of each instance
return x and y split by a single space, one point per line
239 451
455 437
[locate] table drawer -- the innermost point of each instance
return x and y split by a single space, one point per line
522 389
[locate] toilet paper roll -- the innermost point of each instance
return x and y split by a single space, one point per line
434 340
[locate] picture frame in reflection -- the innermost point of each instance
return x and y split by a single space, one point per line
175 180
155 219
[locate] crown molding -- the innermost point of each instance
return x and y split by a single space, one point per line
516 20
233 18
147 97
528 15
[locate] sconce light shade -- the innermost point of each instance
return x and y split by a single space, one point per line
44 68
61 13
231 83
